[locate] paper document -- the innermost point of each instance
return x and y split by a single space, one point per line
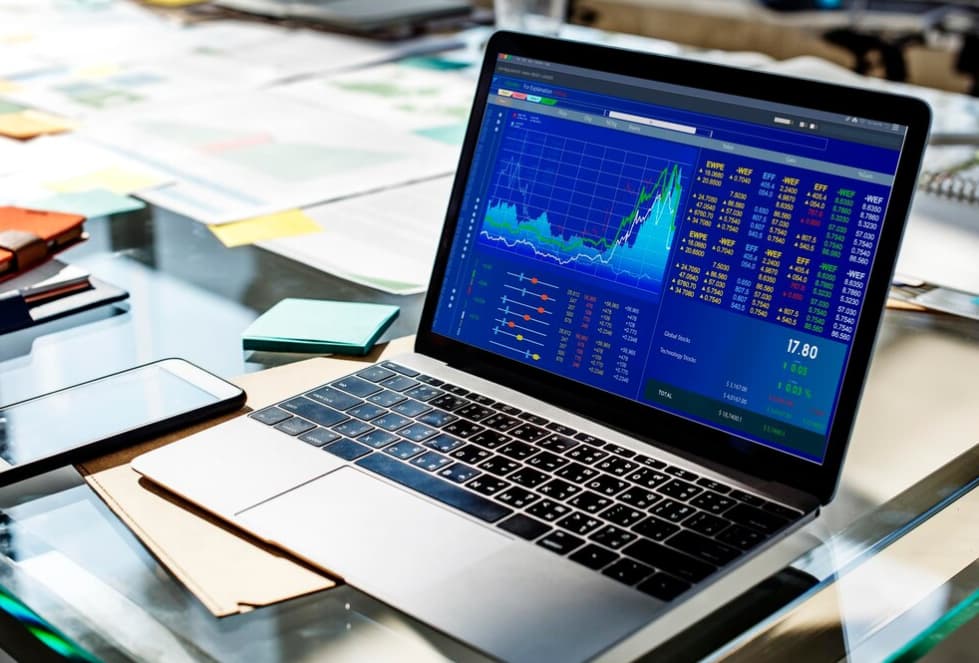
259 153
384 240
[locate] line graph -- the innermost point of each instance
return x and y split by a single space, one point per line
587 205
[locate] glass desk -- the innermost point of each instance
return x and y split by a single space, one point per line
906 489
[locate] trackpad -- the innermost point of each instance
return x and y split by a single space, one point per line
378 537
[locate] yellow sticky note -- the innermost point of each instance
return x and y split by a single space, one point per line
31 123
115 179
249 231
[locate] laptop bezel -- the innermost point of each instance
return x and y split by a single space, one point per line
699 442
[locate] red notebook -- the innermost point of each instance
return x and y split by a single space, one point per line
28 237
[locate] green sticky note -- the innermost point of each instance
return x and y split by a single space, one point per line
319 326
91 204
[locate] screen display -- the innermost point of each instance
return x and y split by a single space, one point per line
696 252
66 419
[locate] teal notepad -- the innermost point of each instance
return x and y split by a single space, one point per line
319 326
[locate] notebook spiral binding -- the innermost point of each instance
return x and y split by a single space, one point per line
952 185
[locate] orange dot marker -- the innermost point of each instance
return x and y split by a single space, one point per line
540 309
510 324
544 296
533 280
526 316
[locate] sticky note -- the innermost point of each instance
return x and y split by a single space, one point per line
94 203
270 226
115 179
31 123
319 326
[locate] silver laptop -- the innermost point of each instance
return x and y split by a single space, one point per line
638 365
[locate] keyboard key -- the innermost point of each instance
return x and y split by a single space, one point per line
507 409
663 586
524 526
590 439
534 419
499 465
353 428
356 386
619 451
578 523
482 400
612 536
500 422
561 429
377 438
307 409
459 473
547 462
463 428
448 402
270 416
455 389
669 560
424 392
444 443
648 477
575 472
617 466
682 473
517 497
398 368
475 412
386 398
295 426
528 477
650 462
410 408
557 489
431 461
589 501
334 398
470 454
557 443
587 455
489 439
366 411
404 450
672 511
655 529
417 432
763 521
622 515
628 571
639 498
548 510
680 490
703 548
747 498
560 542
706 524
528 433
319 436
605 484
710 484
347 449
713 503
487 485
517 450
428 379
442 491
741 537
376 373
400 384
392 421
781 511
437 418
594 557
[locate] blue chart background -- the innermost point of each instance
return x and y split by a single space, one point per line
566 180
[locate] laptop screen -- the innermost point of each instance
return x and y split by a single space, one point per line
700 253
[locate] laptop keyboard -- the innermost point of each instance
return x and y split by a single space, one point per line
632 517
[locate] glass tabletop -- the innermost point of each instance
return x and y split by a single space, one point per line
66 556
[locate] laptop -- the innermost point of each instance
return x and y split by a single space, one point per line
638 364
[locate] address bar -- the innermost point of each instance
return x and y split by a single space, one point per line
661 124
